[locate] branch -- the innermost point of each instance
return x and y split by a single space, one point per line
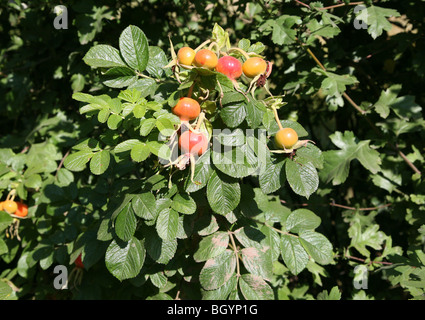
342 5
232 240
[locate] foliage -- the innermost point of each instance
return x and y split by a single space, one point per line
88 141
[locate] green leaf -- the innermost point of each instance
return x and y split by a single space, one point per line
134 48
124 260
254 113
114 121
119 77
301 220
161 251
100 162
144 206
317 246
223 193
218 270
146 126
258 262
157 60
77 161
6 292
125 223
253 287
302 177
376 19
212 246
334 84
387 98
165 126
223 292
282 32
167 224
202 173
233 115
272 177
337 163
127 145
140 152
294 255
235 162
183 203
335 294
103 56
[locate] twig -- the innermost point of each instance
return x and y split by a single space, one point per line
303 4
341 5
333 204
232 240
364 260
61 163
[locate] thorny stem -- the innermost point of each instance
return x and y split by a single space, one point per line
235 250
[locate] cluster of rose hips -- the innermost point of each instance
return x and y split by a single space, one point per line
14 208
227 65
193 142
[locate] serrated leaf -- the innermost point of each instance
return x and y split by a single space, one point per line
237 162
125 223
223 292
134 47
258 262
233 115
337 163
302 177
161 251
217 271
127 145
103 56
294 255
77 161
301 220
184 203
376 19
114 121
211 246
144 206
124 260
317 246
223 193
140 152
272 177
119 77
202 173
253 287
157 60
100 162
167 224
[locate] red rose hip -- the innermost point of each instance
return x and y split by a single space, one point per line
229 66
192 142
